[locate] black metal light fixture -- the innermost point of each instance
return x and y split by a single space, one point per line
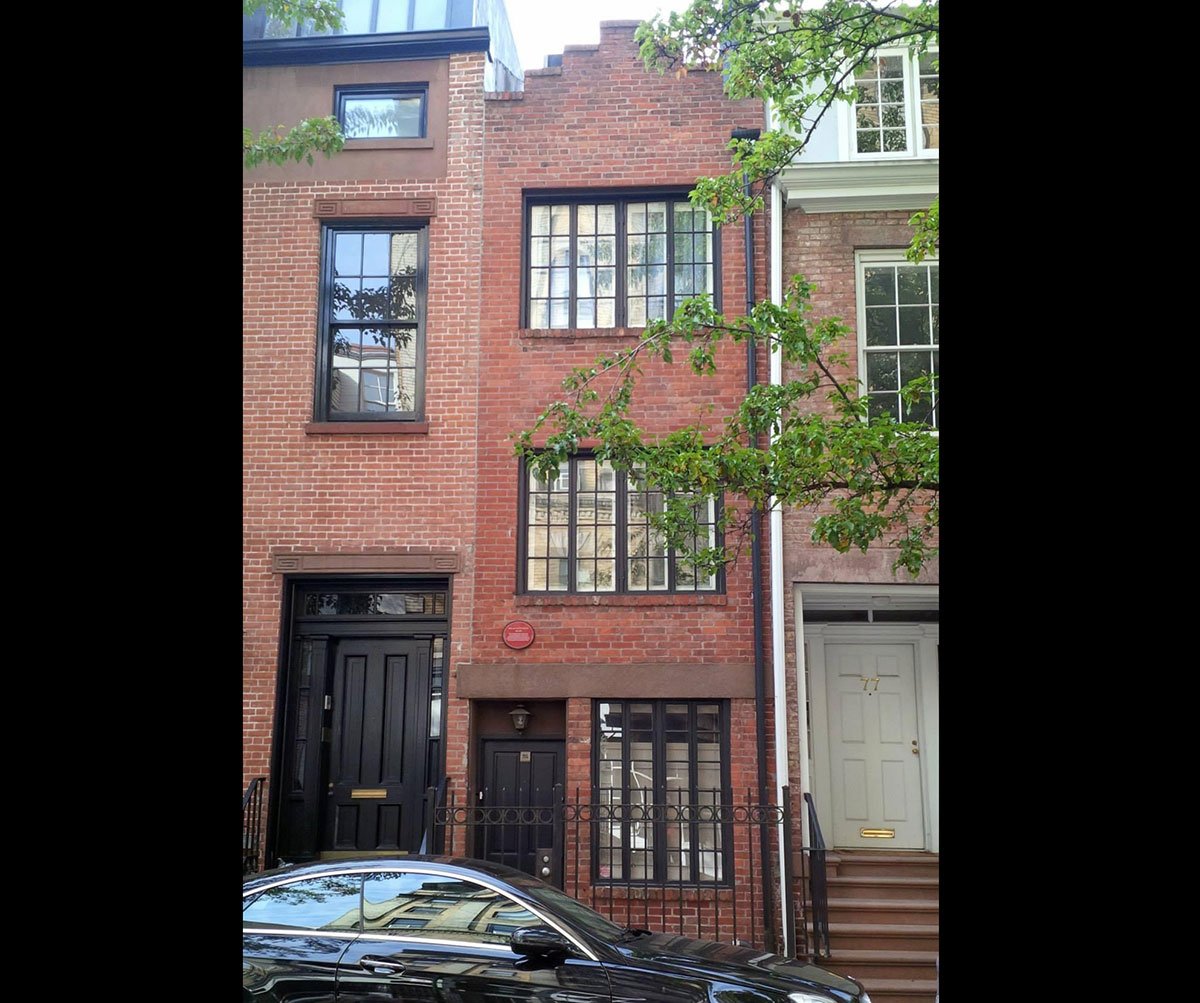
520 718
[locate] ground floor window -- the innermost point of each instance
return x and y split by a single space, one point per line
662 775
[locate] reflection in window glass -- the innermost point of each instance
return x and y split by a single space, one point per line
327 903
440 907
660 772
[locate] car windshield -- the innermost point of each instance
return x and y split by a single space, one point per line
567 907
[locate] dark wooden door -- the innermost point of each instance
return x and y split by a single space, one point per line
518 786
377 745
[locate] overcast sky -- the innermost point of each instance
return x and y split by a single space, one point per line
542 27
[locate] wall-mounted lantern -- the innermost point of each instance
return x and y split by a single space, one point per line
520 718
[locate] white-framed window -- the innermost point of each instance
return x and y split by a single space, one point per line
896 114
898 337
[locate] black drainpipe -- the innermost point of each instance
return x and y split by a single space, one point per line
760 691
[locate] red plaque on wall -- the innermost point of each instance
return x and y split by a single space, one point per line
518 634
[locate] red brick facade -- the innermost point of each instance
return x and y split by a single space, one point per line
598 121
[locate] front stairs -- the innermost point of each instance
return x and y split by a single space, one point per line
883 922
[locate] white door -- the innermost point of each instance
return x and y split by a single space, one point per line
874 747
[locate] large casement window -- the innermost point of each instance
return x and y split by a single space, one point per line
597 261
371 349
897 331
588 530
661 768
896 113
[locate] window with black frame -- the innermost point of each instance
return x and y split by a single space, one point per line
395 111
598 261
590 530
371 353
662 773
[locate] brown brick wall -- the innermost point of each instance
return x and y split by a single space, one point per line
821 247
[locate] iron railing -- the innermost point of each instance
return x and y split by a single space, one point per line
702 881
815 856
252 804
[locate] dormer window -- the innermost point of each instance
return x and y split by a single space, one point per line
896 113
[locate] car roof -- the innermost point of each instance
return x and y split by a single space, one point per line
464 866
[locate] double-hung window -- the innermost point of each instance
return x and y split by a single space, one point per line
606 261
590 530
896 112
897 332
661 768
371 348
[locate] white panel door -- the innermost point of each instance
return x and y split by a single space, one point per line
874 747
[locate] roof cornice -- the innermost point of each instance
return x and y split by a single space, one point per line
364 48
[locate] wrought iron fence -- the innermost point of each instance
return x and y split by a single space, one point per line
692 869
252 803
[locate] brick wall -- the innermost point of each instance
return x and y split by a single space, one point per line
821 247
354 492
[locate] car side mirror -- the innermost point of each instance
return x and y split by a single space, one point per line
539 941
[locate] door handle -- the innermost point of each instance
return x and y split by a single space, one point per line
381 966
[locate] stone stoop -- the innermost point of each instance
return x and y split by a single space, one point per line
883 922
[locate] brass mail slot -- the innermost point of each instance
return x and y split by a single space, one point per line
878 833
368 792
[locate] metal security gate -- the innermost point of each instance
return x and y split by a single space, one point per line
704 881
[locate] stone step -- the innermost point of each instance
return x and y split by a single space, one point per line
894 911
914 863
881 937
883 887
864 965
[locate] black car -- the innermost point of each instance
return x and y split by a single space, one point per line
468 931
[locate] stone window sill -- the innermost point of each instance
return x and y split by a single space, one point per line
573 333
367 428
625 599
388 144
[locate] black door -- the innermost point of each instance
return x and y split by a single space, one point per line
378 739
519 781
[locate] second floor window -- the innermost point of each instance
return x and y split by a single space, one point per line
897 108
615 262
898 332
589 530
372 344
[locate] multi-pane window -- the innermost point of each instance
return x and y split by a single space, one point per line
612 262
661 770
898 332
373 112
589 530
372 348
897 107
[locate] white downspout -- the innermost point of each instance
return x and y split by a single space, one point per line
778 654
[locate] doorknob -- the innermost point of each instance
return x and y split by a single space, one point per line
915 750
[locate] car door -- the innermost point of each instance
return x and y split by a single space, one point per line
294 934
430 936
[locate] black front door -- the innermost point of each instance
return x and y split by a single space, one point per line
518 790
380 727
